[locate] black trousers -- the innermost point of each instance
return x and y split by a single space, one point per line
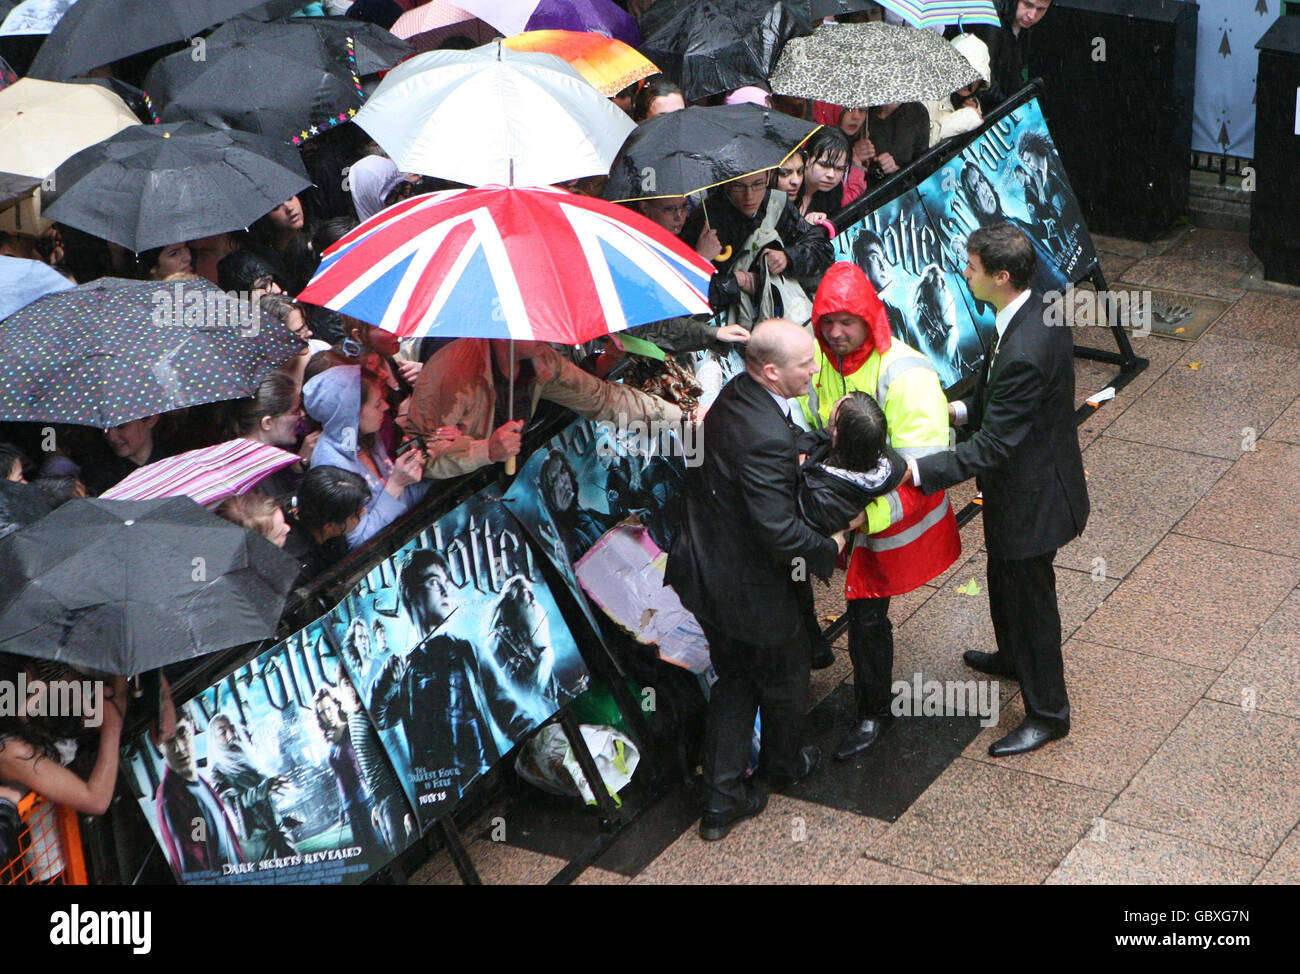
750 677
1027 623
871 648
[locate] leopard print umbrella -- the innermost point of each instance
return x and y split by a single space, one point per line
857 65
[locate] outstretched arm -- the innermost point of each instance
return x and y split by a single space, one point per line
1011 413
24 764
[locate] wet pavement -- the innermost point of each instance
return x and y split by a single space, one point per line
1181 617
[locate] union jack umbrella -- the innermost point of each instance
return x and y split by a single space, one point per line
208 475
537 264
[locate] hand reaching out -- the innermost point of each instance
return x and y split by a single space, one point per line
407 470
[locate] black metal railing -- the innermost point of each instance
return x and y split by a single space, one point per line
1224 165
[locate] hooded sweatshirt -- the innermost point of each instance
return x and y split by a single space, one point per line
846 289
371 180
945 120
333 399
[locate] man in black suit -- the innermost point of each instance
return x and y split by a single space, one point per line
1024 454
736 563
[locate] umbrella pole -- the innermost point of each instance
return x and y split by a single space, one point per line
510 406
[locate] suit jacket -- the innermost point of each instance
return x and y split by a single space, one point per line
733 564
1024 451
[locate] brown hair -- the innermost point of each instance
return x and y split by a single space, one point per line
1004 247
252 510
276 394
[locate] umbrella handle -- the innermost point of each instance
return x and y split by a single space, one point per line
724 255
510 408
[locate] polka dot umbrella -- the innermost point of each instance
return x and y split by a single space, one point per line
111 351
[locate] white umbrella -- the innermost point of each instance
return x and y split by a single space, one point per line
34 17
42 123
494 115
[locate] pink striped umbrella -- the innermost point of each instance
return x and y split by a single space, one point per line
208 475
429 25
429 16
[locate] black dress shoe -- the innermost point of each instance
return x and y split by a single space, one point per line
863 735
991 663
1029 736
810 758
823 655
716 825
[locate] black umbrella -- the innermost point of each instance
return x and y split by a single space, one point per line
278 80
129 586
152 185
15 190
376 49
113 350
130 94
712 46
679 153
97 32
20 505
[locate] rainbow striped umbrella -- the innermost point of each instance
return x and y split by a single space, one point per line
940 13
208 475
496 262
608 63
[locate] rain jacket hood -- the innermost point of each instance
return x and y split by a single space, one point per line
333 399
976 52
845 289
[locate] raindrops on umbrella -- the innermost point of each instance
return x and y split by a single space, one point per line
114 350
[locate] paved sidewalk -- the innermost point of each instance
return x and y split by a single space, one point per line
1181 612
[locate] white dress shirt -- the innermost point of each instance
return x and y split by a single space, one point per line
1000 323
782 402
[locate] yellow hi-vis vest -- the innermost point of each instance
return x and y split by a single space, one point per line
907 388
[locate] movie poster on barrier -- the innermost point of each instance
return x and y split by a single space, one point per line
713 368
457 650
593 475
913 268
1011 172
275 776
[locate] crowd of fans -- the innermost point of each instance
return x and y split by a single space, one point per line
397 392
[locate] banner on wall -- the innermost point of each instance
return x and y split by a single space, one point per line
1223 114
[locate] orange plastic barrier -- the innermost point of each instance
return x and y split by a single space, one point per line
49 847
